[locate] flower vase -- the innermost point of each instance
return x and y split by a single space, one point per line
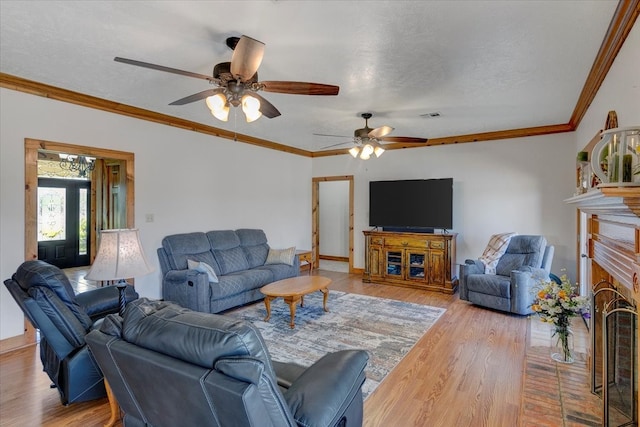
562 345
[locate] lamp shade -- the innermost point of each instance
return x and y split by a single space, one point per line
120 256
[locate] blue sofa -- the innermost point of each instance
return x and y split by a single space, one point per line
238 260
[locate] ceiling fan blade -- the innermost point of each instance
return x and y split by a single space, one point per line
380 132
336 145
300 88
404 139
266 108
163 68
246 57
333 136
197 96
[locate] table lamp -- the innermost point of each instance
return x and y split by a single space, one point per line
120 257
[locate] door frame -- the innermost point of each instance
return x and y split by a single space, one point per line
31 149
315 217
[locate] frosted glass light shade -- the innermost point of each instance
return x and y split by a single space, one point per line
251 108
219 106
354 151
120 256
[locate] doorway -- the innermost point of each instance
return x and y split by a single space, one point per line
316 223
32 148
64 221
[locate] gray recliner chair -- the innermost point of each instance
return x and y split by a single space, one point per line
171 366
526 262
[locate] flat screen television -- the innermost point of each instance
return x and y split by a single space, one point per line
413 204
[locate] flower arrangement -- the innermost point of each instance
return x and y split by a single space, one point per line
557 303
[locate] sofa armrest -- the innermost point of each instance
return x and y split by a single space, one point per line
470 266
99 302
523 283
321 394
187 288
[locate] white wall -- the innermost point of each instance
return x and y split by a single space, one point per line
188 181
508 185
334 218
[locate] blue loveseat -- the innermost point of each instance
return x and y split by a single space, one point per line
238 259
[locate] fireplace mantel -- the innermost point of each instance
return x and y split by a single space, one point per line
623 201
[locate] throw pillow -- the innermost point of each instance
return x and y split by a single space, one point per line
281 256
496 247
203 267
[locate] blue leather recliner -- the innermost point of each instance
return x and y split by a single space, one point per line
526 262
47 299
170 366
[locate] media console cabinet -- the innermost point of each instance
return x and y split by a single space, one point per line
416 260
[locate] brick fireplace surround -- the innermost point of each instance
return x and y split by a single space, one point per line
613 228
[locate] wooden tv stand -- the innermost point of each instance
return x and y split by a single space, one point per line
417 260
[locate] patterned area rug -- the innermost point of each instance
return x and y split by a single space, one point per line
386 329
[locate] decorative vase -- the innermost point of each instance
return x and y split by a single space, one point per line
562 344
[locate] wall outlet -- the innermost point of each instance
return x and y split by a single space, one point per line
148 218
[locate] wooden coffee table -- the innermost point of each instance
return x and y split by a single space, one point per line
293 290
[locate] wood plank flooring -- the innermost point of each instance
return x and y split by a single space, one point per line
468 370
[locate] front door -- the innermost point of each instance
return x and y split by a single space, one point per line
63 221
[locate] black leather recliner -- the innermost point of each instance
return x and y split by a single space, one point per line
169 366
47 299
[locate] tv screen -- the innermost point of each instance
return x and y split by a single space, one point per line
416 203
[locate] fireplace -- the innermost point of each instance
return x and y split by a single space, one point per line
613 270
614 359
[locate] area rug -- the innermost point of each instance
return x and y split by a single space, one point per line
386 329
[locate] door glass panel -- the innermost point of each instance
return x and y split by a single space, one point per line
394 263
416 265
83 219
51 214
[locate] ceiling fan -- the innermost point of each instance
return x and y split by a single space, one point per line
366 141
237 82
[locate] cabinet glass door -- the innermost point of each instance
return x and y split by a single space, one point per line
417 265
394 263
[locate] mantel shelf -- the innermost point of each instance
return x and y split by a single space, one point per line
623 201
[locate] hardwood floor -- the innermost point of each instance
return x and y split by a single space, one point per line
468 370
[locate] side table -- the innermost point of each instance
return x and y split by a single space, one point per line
305 256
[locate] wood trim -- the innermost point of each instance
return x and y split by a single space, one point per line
40 89
623 20
472 137
619 28
334 258
315 216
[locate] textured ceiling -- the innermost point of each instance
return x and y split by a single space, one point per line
483 65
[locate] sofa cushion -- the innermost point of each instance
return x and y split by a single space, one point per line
199 338
254 244
203 267
490 284
60 315
279 271
37 273
225 245
239 282
281 256
496 247
522 250
194 246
